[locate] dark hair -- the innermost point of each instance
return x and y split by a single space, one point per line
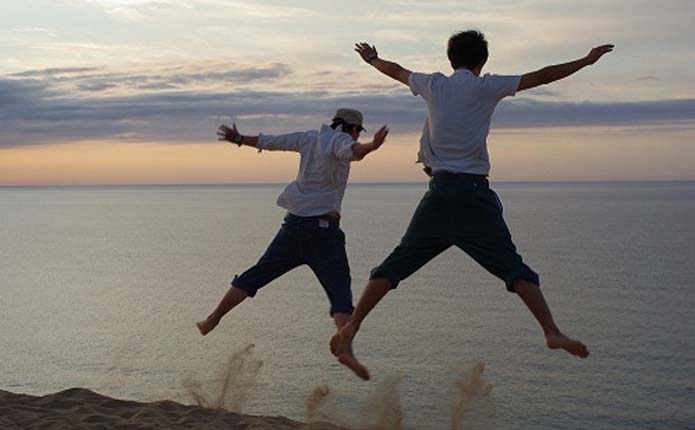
347 128
467 49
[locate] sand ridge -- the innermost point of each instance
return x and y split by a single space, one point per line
79 408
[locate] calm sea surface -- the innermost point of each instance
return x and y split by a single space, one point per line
100 288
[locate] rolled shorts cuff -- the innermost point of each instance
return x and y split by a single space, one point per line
378 272
250 290
525 274
341 310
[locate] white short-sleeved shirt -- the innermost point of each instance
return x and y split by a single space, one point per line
324 167
459 108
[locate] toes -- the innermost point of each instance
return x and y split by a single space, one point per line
579 350
204 327
354 365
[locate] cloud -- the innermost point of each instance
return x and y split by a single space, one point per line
534 113
94 79
277 70
101 86
143 10
176 104
51 72
15 93
258 10
39 30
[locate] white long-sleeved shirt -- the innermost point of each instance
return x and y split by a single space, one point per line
459 109
324 167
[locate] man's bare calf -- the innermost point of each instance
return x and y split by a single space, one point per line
533 298
231 299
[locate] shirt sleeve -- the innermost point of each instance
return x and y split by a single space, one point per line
342 147
501 86
421 84
282 142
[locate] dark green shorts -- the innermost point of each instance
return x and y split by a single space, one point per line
460 210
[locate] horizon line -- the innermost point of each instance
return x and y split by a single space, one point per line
359 183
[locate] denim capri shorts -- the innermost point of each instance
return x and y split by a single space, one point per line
315 241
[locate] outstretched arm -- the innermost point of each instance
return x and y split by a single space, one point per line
233 135
550 74
362 149
389 68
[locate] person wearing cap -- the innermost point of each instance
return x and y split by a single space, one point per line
460 209
310 233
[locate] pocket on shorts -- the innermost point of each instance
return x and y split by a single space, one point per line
488 199
497 201
329 245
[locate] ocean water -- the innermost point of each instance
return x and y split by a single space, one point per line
100 288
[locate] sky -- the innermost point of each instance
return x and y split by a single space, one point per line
132 91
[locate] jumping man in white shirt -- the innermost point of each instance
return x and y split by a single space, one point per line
310 233
460 209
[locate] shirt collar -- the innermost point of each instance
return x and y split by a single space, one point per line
462 71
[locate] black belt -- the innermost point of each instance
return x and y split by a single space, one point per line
329 218
332 219
445 174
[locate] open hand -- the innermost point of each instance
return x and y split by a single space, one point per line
598 52
366 51
380 136
226 133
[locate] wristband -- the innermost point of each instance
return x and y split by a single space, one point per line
237 139
371 58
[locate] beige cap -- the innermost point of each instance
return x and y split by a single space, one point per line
350 116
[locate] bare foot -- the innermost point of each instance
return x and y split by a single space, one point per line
341 347
574 347
341 342
205 326
349 360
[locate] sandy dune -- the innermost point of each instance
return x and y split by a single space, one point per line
78 408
